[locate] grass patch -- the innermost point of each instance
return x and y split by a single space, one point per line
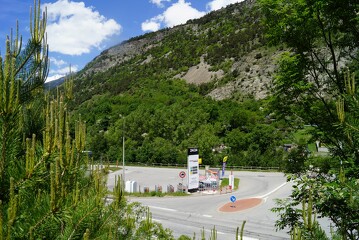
156 194
113 169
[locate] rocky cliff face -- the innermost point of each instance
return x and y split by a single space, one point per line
120 53
254 74
250 71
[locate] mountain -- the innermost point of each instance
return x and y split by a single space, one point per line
224 50
53 84
200 84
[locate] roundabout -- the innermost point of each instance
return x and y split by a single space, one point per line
202 211
241 205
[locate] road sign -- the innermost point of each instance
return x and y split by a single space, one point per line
182 174
233 199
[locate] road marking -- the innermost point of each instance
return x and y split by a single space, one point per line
218 232
165 209
267 194
249 238
209 216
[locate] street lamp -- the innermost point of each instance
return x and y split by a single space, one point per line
123 148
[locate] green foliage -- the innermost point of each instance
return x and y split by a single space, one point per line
312 87
163 119
184 237
310 78
148 229
296 159
158 194
22 71
47 188
335 199
240 234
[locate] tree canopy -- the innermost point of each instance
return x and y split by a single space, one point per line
315 85
322 39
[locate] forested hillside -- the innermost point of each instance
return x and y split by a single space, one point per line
200 84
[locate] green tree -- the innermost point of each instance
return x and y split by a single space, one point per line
21 72
205 139
296 159
311 87
311 76
48 190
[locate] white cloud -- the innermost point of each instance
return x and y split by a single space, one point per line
75 29
179 13
218 4
57 62
159 2
60 68
176 14
152 25
64 70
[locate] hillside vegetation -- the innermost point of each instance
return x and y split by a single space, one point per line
200 84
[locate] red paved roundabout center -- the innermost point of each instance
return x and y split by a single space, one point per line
241 205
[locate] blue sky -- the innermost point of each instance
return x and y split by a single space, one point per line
78 31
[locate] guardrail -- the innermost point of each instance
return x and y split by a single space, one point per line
178 165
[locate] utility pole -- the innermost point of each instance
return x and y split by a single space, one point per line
123 150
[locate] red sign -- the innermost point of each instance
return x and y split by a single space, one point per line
182 174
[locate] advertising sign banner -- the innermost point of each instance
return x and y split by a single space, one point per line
224 165
193 168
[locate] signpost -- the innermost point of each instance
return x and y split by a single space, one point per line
182 174
233 200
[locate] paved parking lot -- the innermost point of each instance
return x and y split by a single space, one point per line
150 177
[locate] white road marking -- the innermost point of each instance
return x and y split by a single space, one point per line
165 209
249 238
267 194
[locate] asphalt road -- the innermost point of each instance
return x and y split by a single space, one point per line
190 214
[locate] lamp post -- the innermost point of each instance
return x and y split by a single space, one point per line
123 148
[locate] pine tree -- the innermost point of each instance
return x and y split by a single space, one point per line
22 71
47 189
